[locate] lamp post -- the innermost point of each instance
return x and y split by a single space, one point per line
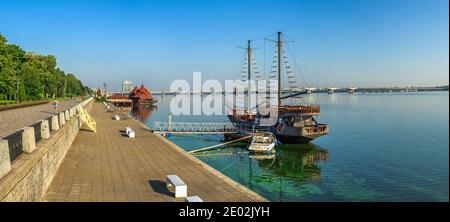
17 90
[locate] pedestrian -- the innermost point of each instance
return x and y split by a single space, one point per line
55 105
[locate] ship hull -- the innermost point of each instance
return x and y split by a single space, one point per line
293 139
283 138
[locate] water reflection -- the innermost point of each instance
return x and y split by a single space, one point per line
287 175
142 114
293 166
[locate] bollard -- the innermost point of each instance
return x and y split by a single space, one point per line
67 115
5 161
62 119
55 122
72 112
45 129
28 140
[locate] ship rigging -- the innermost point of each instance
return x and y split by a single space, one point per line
296 123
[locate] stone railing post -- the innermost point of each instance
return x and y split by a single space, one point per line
5 161
71 112
28 140
80 122
55 122
67 115
45 129
62 119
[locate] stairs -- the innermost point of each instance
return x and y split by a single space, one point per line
88 120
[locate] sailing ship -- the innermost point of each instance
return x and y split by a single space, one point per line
296 123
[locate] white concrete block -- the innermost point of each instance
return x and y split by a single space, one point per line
193 199
55 122
67 115
180 188
45 129
28 140
62 119
5 161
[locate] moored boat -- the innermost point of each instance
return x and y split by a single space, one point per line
295 123
264 142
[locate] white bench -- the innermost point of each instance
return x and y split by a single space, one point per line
130 133
180 188
193 199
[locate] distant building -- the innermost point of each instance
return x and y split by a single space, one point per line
127 86
119 100
141 97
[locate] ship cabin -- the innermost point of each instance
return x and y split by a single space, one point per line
302 117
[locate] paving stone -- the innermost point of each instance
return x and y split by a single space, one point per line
106 166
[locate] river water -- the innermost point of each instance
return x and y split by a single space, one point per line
382 147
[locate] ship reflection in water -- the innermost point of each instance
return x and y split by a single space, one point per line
298 162
143 113
288 175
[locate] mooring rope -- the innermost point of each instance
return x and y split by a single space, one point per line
218 145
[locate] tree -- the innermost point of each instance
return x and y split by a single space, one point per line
38 74
29 76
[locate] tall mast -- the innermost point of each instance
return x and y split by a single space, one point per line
279 68
249 56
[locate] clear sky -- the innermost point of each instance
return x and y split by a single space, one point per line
338 42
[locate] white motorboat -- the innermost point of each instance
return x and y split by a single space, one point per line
263 142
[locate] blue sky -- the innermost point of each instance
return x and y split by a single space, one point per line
338 42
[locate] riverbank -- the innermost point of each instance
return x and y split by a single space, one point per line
107 166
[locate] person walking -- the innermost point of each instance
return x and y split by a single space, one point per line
55 105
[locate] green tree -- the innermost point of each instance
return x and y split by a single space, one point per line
39 75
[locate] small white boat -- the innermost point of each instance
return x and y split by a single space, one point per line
263 142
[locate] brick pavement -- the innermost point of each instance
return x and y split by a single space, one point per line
106 166
11 120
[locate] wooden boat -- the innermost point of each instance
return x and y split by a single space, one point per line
296 122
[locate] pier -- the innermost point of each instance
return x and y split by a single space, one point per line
193 128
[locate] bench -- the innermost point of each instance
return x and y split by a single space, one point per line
180 188
130 133
193 199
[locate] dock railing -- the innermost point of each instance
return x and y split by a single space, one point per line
193 128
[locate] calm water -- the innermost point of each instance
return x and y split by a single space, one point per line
382 147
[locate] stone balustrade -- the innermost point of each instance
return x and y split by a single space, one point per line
28 141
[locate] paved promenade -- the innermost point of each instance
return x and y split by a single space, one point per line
13 119
106 166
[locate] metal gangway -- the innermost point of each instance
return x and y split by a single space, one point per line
194 128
